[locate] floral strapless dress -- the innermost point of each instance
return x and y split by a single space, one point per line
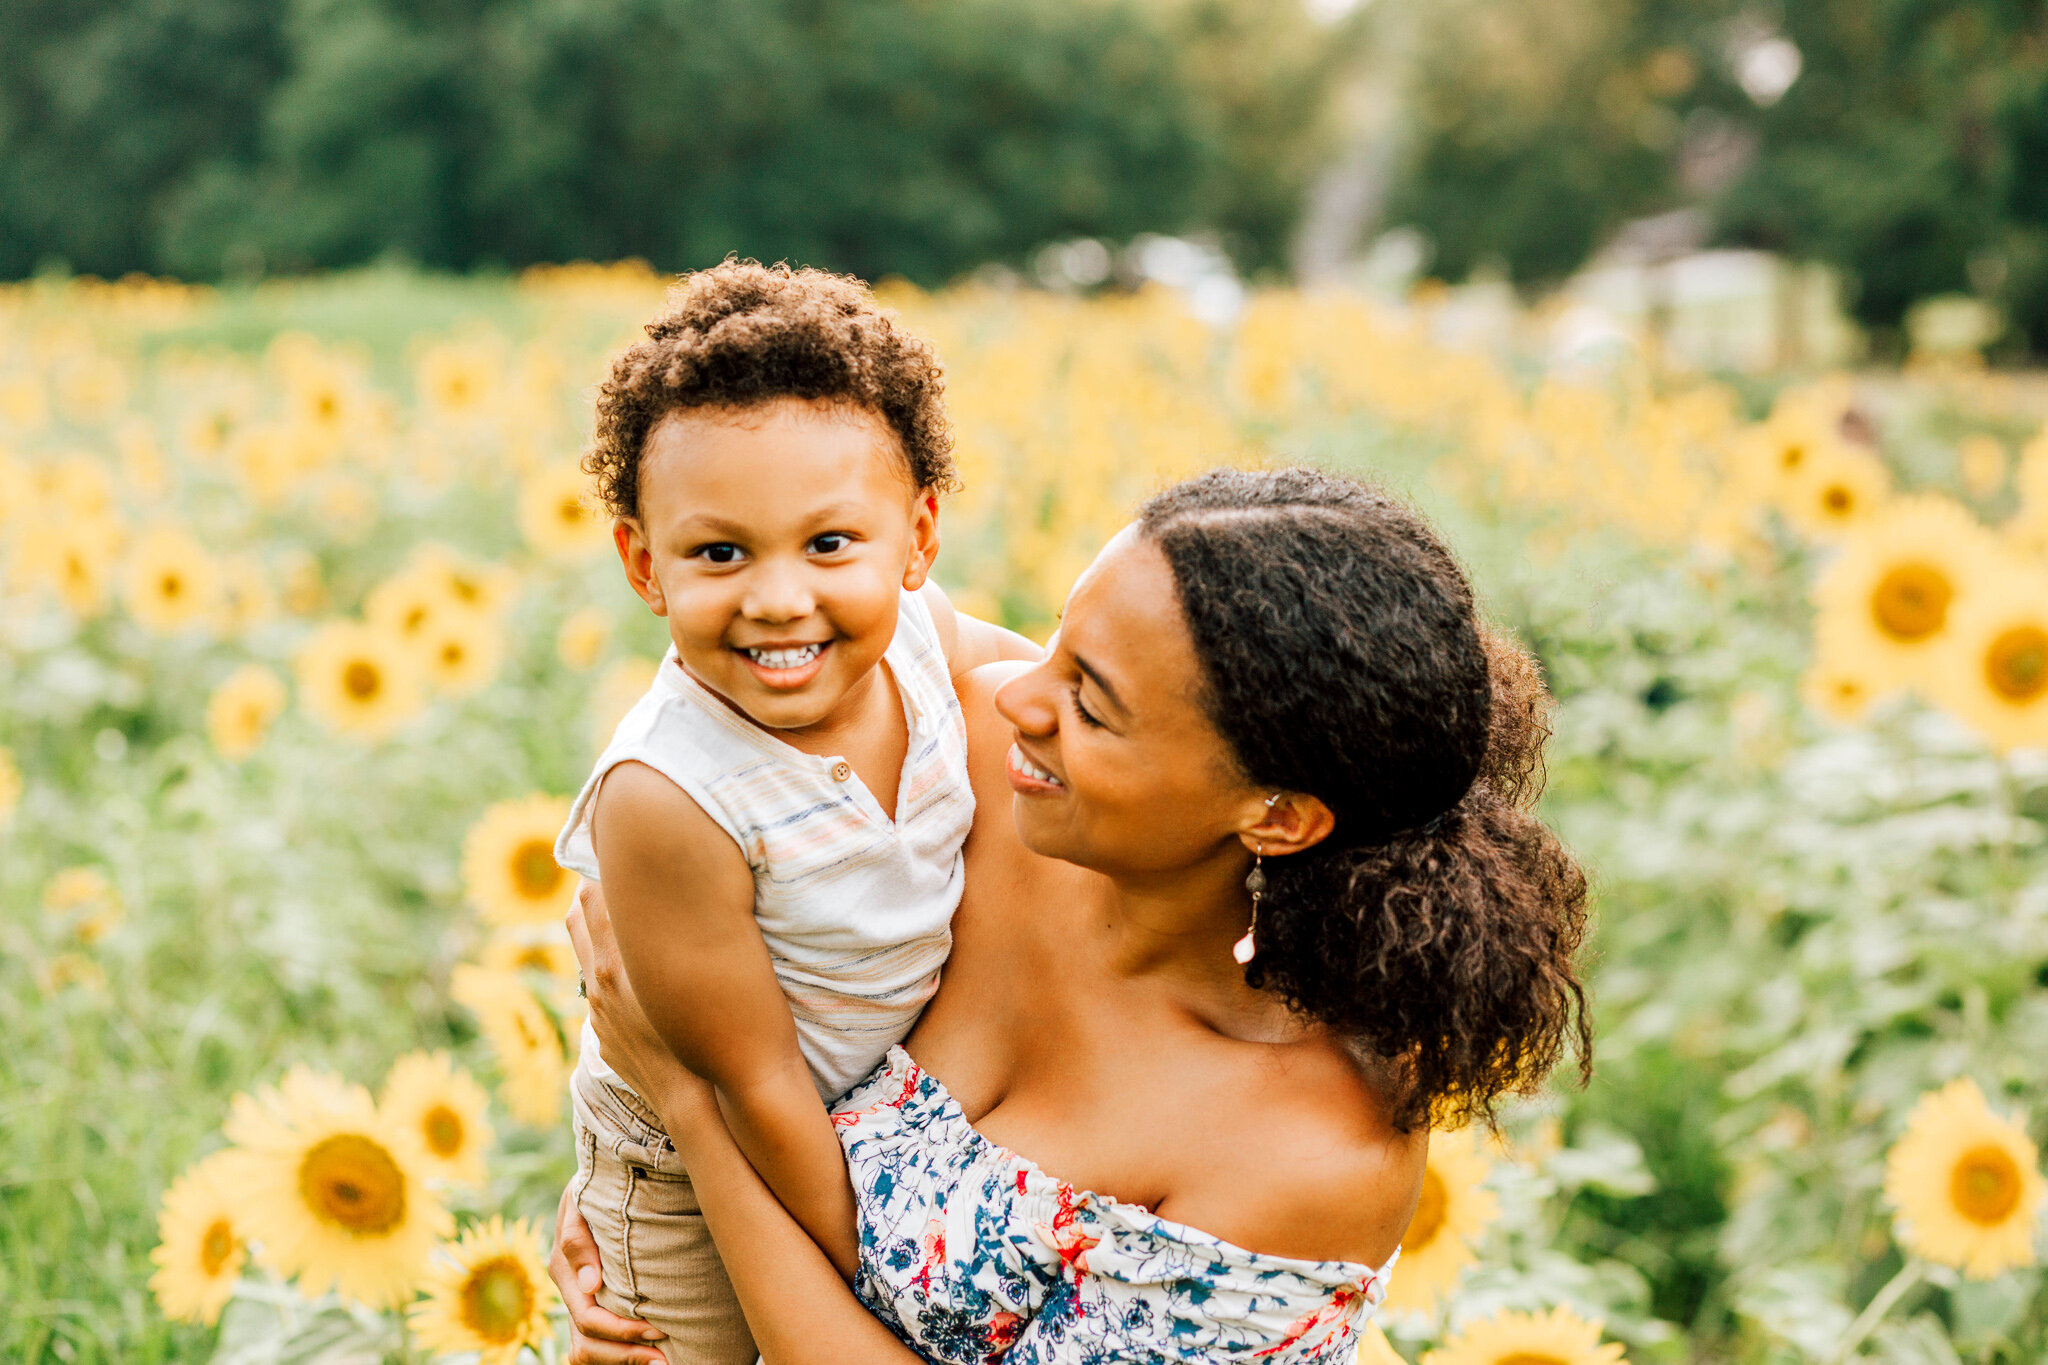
972 1255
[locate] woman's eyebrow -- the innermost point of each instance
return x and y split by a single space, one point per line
1100 682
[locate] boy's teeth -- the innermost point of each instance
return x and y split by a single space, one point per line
1030 769
784 658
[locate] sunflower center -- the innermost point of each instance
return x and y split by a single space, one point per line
2016 665
1429 1213
361 680
497 1298
1911 601
1837 500
216 1247
1985 1185
451 653
170 586
1791 457
443 1127
535 870
571 511
1531 1358
351 1181
414 619
536 958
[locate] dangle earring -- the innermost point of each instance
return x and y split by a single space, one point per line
1254 882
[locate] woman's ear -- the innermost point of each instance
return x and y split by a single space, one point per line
1288 823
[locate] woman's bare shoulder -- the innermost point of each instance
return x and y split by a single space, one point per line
1316 1170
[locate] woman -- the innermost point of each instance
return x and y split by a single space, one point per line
1270 732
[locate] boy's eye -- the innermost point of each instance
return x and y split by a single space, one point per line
831 543
722 553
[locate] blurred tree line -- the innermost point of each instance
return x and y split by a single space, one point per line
1904 142
914 137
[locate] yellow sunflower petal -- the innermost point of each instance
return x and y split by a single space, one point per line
1455 1208
201 1241
508 861
442 1109
488 1293
1559 1337
1966 1184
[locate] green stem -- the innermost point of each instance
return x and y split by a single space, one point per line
1910 1274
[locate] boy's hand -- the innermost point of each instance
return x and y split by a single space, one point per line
596 1337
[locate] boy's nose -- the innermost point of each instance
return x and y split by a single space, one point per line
776 593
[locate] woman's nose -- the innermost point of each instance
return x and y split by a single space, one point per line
1028 702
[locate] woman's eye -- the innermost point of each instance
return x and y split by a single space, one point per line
1086 717
721 553
831 543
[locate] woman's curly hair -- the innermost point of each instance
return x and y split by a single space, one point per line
1438 926
743 333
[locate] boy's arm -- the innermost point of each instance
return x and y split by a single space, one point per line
681 898
969 641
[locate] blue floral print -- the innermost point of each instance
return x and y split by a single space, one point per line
973 1255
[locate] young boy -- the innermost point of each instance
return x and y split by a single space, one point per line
778 822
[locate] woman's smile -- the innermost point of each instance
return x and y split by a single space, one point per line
1028 778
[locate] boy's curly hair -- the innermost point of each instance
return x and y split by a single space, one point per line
743 333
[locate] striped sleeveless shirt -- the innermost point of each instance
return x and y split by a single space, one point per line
856 907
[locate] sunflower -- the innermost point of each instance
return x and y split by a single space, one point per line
83 902
70 555
461 653
10 786
1454 1209
530 1046
556 515
468 583
508 861
543 948
1559 1337
1841 488
582 637
359 680
201 1244
169 580
239 713
66 970
1994 669
458 380
487 1293
1965 1183
1890 595
1375 1349
332 1192
405 604
429 1098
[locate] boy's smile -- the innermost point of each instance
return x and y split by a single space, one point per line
776 539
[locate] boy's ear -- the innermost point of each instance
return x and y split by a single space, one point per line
638 558
924 541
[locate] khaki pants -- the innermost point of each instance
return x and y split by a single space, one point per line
655 1251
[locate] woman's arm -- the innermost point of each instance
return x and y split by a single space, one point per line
797 1307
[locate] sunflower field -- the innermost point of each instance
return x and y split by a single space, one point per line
307 631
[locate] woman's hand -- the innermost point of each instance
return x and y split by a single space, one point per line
596 1337
630 1045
